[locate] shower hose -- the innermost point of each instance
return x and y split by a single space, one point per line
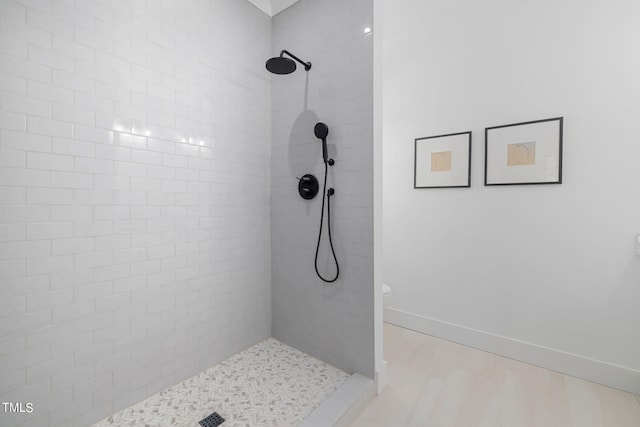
333 252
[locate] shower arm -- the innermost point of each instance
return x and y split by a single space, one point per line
307 65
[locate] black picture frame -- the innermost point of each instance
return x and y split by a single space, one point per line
499 140
459 164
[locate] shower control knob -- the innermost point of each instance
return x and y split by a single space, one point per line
331 162
308 186
331 192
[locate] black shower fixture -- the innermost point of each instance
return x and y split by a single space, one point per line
308 186
282 65
321 131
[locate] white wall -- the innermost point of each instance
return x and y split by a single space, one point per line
134 198
278 6
333 322
553 265
263 5
272 7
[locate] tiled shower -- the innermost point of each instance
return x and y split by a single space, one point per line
333 322
149 222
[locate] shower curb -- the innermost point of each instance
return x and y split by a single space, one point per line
344 405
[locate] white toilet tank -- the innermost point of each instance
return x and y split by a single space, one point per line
386 294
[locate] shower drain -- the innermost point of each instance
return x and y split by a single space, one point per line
213 420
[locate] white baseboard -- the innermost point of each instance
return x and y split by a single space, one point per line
619 377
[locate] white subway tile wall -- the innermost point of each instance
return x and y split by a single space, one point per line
333 322
134 198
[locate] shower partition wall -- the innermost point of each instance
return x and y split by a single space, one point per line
134 199
333 322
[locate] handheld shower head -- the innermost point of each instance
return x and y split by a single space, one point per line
321 131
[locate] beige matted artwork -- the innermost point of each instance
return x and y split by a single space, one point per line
521 154
524 153
443 161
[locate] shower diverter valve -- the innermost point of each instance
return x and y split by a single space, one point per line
308 186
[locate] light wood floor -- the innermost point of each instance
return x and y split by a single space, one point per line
437 383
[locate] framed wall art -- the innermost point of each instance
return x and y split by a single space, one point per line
443 161
524 153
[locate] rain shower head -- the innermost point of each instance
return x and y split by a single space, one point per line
282 65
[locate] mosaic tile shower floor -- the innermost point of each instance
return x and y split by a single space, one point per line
269 384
